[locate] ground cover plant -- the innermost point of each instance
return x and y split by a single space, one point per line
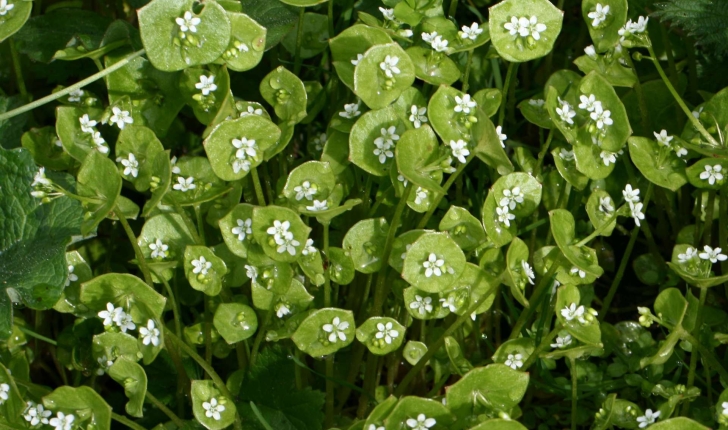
366 215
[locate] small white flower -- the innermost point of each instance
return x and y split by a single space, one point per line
246 148
418 115
464 104
35 413
287 244
504 215
62 421
389 66
206 84
384 143
406 248
637 213
432 265
318 142
87 125
421 423
358 59
566 154
241 164
185 185
724 405
388 14
244 228
282 310
351 110
599 15
280 229
588 103
712 254
421 195
439 44
104 364
386 332
606 205
573 312
608 157
712 174
528 271
575 271
459 150
536 28
512 197
471 32
690 254
125 323
159 249
406 33
252 111
539 103
590 52
5 7
374 427
131 165
40 178
72 277
516 27
449 303
4 390
75 95
175 169
121 117
423 305
149 334
429 37
649 417
308 248
99 142
111 314
318 205
562 342
680 151
188 22
336 330
501 136
565 112
631 195
251 272
213 409
305 190
638 27
515 362
201 266
662 137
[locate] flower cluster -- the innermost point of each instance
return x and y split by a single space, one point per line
35 414
525 27
115 316
579 313
282 237
666 141
632 197
436 41
88 126
246 154
601 117
43 187
511 198
120 117
384 144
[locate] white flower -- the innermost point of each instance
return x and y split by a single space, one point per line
588 103
406 248
4 390
121 117
566 154
421 423
662 137
251 272
459 150
75 95
104 364
429 37
318 142
712 174
87 125
206 84
599 15
389 66
246 147
590 51
336 330
631 195
308 248
374 427
280 229
511 197
439 44
62 421
40 178
421 195
241 164
432 265
501 136
464 104
385 143
639 26
649 417
423 305
528 271
504 215
188 22
712 254
318 205
573 312
637 213
72 277
185 185
449 303
724 405
406 33
305 190
252 111
575 271
149 334
159 249
537 102
536 28
287 244
282 310
388 14
213 409
99 142
125 323
351 110
358 59
562 342
175 169
386 332
566 113
680 151
35 413
418 115
606 205
5 7
244 228
690 254
515 362
131 165
608 157
201 265
471 32
111 314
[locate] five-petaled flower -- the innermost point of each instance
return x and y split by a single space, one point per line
712 174
104 364
512 197
185 185
388 14
439 44
244 228
525 27
433 265
421 423
631 195
588 103
566 112
206 84
386 332
350 111
504 215
449 303
318 205
5 7
131 165
572 312
637 213
418 115
336 330
282 310
514 361
423 305
121 117
599 15
280 229
385 142
689 255
649 417
606 205
389 66
251 272
471 32
421 195
608 157
36 414
464 104
187 22
601 116
306 189
459 150
287 244
213 409
125 323
246 148
149 334
62 421
201 265
87 124
111 315
159 249
4 390
528 271
75 95
501 136
712 254
562 342
308 248
662 137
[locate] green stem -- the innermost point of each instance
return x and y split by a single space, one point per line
544 283
175 309
545 343
678 99
330 358
261 334
644 112
132 238
445 187
707 355
709 211
200 224
126 421
298 61
159 405
256 412
512 67
542 153
620 272
466 75
186 219
331 19
695 355
68 90
257 186
723 232
453 8
219 383
31 333
495 67
18 68
574 394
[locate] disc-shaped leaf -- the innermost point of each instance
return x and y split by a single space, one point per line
519 191
176 38
580 326
617 133
412 407
98 180
14 18
422 305
708 173
144 147
456 357
592 160
433 263
499 223
364 243
372 140
325 331
600 207
605 33
566 165
235 322
315 36
381 335
341 267
204 269
609 67
511 349
125 291
562 228
46 148
113 345
195 183
77 142
519 269
380 412
134 380
536 41
487 145
534 110
658 163
206 102
435 69
210 407
695 271
311 181
417 149
449 123
280 232
401 245
303 3
86 404
463 228
286 93
237 229
247 42
349 44
372 82
489 100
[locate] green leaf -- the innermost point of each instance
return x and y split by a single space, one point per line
433 68
455 354
534 110
514 47
286 93
247 43
235 322
463 228
520 271
118 34
413 351
609 67
708 173
515 350
315 35
499 424
377 124
489 100
83 402
350 43
583 325
99 180
126 291
312 180
169 48
44 145
433 263
280 232
417 154
411 407
202 184
600 208
679 423
488 146
303 3
15 19
566 165
562 228
371 83
325 331
381 335
702 19
401 245
206 398
606 33
519 191
204 269
277 17
134 380
33 239
206 104
657 163
670 306
77 142
144 146
616 134
237 229
78 272
364 243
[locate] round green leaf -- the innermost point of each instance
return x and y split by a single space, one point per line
46 148
381 335
78 272
411 408
325 331
373 140
349 44
280 232
566 165
14 19
520 271
605 33
514 352
610 67
463 228
708 173
364 243
309 182
433 263
78 140
600 207
433 68
500 225
401 245
204 269
207 399
534 110
562 228
126 291
286 93
452 120
160 181
98 180
247 42
520 47
134 380
315 36
658 163
195 182
584 327
138 143
372 83
422 305
235 322
86 404
237 229
418 158
341 267
205 102
413 351
499 424
519 191
617 133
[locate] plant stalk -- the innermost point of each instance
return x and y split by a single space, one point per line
257 186
138 251
161 406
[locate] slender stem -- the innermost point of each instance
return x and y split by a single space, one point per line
261 334
159 405
574 394
132 238
533 300
709 211
186 219
256 412
219 383
466 75
707 355
542 153
200 224
678 99
207 330
331 19
506 90
446 186
257 186
644 112
327 277
18 68
723 232
31 333
620 272
694 355
126 421
175 309
495 67
68 90
453 8
330 358
545 343
299 41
